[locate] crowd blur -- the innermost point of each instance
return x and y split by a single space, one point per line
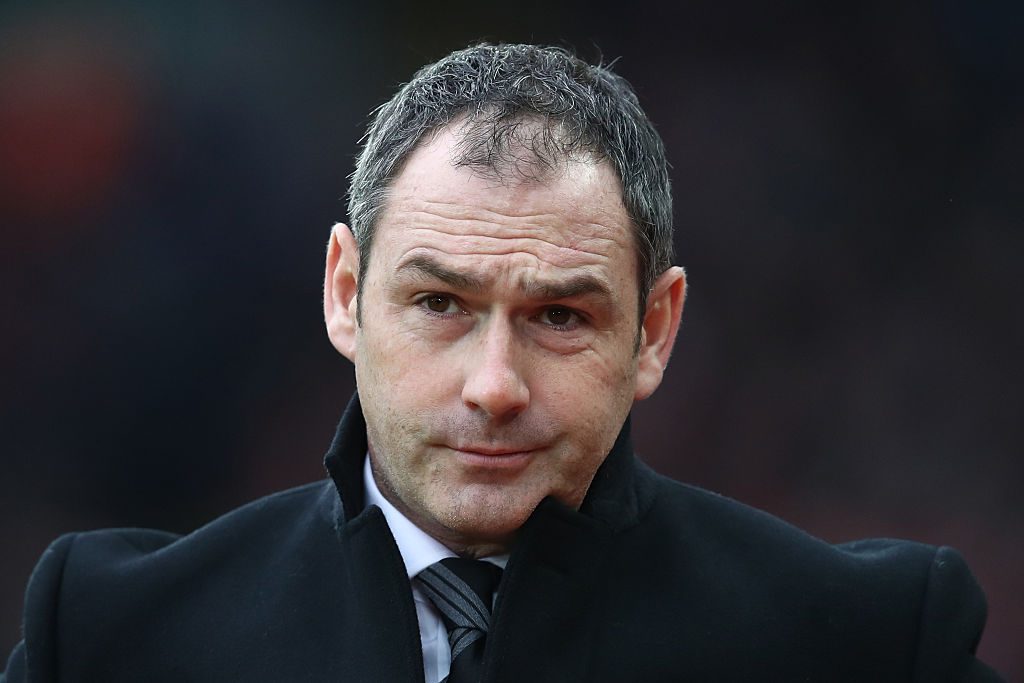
848 207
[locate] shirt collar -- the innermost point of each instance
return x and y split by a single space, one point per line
419 549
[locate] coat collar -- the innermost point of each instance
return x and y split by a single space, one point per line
344 459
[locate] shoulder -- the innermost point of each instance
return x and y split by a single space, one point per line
249 530
707 522
892 604
705 526
248 536
94 592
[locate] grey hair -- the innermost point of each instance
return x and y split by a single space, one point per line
522 109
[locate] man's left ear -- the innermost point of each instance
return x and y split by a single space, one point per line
658 333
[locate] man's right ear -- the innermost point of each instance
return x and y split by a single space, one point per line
341 282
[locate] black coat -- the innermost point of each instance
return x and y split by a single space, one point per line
651 580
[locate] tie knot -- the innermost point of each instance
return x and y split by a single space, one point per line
481 576
462 590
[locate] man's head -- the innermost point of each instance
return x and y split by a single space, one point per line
494 323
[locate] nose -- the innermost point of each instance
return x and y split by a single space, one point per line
494 383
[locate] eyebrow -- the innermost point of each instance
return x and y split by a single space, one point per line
580 284
425 266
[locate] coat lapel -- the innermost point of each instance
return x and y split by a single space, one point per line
547 604
550 603
383 641
380 635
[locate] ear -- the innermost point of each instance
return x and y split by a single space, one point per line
341 282
658 333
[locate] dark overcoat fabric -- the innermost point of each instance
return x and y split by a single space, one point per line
651 580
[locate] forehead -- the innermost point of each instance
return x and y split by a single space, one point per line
570 217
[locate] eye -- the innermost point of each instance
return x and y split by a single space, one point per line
560 318
440 303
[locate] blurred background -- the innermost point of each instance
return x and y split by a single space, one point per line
849 208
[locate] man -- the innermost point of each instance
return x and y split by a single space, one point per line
505 293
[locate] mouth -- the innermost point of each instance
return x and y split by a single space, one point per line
494 452
491 458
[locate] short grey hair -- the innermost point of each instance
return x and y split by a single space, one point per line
515 98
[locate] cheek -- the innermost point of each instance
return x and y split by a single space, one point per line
596 398
406 386
396 352
590 385
590 410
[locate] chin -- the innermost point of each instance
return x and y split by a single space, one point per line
488 522
489 526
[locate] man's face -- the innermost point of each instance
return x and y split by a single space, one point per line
495 355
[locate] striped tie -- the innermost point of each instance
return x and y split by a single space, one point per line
462 590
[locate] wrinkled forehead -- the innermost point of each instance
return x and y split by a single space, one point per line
582 186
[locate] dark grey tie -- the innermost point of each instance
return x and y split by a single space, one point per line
462 591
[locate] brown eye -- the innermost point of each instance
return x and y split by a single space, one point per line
558 317
439 304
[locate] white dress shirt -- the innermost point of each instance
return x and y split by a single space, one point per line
420 550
